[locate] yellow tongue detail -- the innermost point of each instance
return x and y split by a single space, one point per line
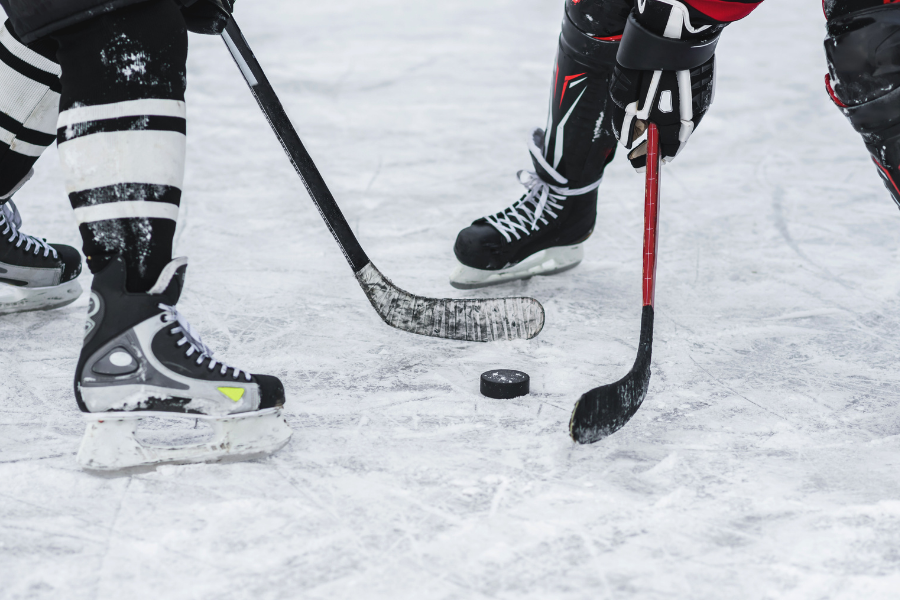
234 393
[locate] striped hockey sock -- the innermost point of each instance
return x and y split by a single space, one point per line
121 135
29 100
124 168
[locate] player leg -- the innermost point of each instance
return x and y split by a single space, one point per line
34 275
863 50
121 137
543 232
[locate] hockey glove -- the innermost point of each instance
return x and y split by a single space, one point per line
667 78
208 17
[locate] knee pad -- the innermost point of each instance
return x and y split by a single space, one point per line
863 50
591 30
599 18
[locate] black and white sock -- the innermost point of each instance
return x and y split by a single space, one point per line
29 100
121 134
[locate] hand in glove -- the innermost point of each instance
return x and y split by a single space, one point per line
667 78
207 16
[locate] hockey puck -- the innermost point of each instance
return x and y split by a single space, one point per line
504 384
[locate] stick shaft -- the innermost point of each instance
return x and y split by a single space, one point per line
651 214
290 141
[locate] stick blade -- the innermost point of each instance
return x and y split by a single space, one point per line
470 320
606 409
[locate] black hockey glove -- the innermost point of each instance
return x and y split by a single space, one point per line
665 73
208 17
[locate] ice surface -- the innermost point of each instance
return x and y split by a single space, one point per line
764 463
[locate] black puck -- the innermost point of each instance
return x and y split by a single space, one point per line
504 384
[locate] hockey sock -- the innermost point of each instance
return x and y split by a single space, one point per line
579 141
121 134
29 97
863 50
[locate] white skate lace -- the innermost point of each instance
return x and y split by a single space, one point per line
194 343
10 221
528 213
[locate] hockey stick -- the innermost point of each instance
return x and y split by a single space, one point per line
473 320
604 410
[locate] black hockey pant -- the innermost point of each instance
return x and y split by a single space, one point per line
110 91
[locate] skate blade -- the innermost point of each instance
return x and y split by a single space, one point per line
16 299
110 443
546 262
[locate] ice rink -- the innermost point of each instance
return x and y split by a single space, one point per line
765 462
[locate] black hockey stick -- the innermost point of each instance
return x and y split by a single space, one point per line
473 320
604 410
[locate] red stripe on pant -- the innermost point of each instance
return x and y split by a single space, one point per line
723 10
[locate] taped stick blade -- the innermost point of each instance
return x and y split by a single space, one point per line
470 319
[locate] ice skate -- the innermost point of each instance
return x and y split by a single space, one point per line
141 359
542 233
34 275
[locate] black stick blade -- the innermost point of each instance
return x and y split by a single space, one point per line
605 410
470 320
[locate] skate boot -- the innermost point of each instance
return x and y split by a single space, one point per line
540 234
141 359
544 232
34 275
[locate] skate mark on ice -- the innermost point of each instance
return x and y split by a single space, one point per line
313 498
47 509
109 539
499 495
403 77
777 191
34 458
374 175
730 389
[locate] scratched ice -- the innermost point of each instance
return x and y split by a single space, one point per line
764 463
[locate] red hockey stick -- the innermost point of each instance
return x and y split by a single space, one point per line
604 410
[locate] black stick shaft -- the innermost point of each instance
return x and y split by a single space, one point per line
290 141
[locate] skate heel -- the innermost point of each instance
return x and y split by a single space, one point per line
110 442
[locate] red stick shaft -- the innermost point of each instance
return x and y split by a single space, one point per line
651 214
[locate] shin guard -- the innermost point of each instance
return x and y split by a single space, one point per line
578 141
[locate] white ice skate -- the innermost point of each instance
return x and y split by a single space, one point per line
141 360
111 443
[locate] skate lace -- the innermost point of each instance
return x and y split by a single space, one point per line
10 221
541 200
194 343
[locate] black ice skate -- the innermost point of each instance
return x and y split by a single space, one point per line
141 358
541 234
34 275
544 232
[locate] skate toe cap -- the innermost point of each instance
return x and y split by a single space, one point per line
71 260
271 391
478 246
